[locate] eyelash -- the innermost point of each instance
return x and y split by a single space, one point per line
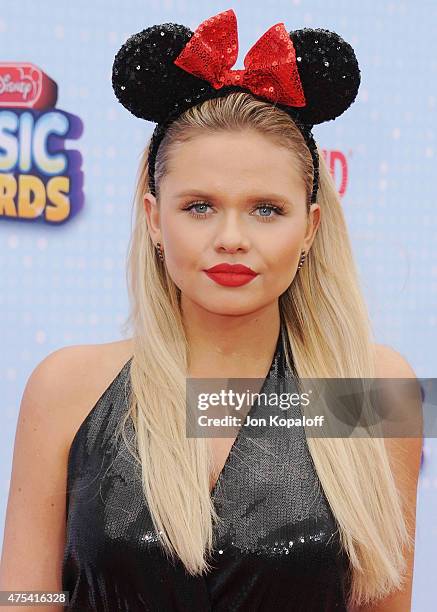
277 209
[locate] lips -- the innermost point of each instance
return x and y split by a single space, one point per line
234 268
231 275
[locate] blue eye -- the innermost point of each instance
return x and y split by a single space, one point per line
278 210
270 208
196 205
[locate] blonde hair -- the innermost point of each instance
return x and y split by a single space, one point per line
330 336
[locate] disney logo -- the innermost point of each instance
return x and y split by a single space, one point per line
8 85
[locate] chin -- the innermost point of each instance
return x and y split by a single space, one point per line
229 307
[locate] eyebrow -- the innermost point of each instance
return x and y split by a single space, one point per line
252 198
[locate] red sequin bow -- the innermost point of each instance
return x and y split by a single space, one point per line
270 69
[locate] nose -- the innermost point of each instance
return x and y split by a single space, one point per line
230 235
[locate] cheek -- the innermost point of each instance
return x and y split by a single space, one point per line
181 233
284 250
185 254
182 248
178 240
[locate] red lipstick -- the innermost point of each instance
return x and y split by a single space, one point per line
231 275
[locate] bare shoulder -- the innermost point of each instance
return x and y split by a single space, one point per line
64 386
405 395
405 452
391 364
67 383
406 398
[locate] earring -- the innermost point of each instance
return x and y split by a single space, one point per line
160 252
302 259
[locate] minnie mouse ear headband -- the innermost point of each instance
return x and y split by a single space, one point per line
311 74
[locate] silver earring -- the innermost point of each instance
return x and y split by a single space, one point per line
160 252
301 260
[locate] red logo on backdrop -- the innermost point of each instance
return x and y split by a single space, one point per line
338 167
23 85
40 179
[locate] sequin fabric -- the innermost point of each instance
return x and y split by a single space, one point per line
321 68
270 68
276 548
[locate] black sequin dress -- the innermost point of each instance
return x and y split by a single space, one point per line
276 550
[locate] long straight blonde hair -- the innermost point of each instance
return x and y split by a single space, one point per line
330 336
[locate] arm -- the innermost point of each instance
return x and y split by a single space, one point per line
404 455
34 536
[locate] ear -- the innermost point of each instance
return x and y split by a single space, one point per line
314 218
152 217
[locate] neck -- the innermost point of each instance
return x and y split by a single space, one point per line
230 345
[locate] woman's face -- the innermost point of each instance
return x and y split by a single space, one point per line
236 199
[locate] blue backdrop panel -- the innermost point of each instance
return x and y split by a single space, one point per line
69 154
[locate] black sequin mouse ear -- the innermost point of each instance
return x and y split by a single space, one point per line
329 72
145 79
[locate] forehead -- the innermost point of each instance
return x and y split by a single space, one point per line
233 160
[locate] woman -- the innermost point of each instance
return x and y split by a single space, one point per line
157 520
